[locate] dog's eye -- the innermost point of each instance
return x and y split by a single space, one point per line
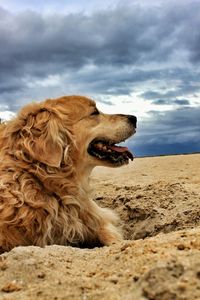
95 112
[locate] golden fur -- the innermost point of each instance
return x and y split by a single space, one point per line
44 175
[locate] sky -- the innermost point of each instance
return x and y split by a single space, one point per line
133 57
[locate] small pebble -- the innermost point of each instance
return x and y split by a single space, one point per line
198 274
135 278
114 279
125 247
10 287
41 275
181 247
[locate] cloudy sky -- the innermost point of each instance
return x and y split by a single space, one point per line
134 57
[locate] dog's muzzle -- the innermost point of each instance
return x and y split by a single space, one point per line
107 150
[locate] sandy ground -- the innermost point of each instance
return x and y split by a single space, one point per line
158 200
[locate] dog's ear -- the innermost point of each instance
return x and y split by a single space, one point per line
42 138
37 134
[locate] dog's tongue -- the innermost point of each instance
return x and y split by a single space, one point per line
119 148
122 150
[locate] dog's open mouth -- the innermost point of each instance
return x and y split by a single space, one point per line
110 152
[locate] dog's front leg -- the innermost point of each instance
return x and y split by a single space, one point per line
108 231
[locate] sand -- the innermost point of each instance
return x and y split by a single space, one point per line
158 200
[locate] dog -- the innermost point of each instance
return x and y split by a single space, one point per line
47 154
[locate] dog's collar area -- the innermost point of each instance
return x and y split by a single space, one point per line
110 152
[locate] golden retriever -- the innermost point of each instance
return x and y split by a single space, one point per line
47 154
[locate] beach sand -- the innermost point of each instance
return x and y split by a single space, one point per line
158 200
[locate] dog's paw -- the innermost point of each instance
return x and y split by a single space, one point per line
109 235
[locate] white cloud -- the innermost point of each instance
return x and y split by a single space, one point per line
6 115
49 81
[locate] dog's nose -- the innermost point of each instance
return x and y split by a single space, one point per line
133 120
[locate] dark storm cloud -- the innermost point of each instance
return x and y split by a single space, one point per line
110 53
188 84
121 81
174 131
170 102
37 45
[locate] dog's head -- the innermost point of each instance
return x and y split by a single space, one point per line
54 130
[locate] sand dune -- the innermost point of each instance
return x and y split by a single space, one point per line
158 200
